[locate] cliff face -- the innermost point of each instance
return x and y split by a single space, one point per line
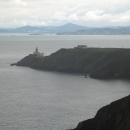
115 116
98 62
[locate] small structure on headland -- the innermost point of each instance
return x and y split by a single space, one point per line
81 47
38 54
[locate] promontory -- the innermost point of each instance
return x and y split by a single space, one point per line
99 63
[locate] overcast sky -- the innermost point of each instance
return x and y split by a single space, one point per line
15 13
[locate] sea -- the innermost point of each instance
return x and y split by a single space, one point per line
47 100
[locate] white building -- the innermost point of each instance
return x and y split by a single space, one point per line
81 47
38 54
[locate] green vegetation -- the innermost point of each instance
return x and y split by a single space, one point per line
100 63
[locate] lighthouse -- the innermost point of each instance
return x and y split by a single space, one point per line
38 54
36 51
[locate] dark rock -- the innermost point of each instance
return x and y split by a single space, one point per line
115 116
13 64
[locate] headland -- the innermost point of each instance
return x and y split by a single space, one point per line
99 63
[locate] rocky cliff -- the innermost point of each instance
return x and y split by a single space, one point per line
115 116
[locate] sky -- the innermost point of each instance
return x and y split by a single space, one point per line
91 13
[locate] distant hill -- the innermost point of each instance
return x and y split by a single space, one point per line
34 29
70 29
2 30
100 31
26 28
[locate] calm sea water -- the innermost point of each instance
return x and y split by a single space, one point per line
42 100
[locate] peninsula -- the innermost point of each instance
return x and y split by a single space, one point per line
99 63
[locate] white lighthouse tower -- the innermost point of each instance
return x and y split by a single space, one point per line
38 54
36 51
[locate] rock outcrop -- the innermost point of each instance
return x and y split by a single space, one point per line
115 116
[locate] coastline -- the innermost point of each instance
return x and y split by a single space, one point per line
99 63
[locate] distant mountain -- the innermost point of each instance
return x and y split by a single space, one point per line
26 28
2 30
70 29
34 29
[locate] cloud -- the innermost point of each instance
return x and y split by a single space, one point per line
41 12
122 17
64 16
93 15
59 15
99 15
73 17
20 3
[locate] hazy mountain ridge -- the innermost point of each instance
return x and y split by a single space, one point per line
100 31
70 29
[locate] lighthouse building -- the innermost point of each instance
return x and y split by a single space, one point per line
38 54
